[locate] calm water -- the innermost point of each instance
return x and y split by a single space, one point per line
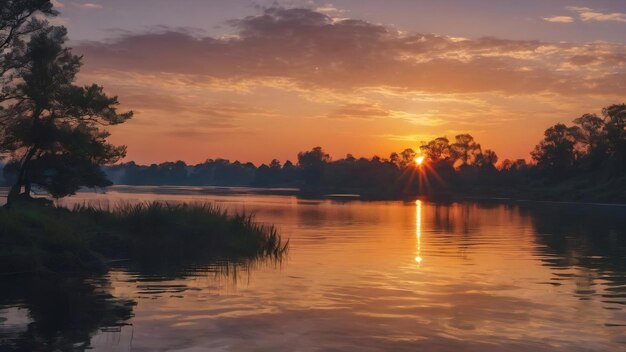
359 276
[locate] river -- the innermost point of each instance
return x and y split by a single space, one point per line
362 276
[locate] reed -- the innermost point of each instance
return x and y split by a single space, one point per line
35 238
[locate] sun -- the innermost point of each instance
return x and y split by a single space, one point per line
419 160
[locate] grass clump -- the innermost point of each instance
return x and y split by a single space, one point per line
36 238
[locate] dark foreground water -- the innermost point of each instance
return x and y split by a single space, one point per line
359 276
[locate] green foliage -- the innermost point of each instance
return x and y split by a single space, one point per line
35 238
52 125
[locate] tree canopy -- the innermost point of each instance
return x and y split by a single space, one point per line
53 126
593 144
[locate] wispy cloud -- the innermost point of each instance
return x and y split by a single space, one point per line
329 9
559 19
587 14
310 50
88 5
413 138
375 111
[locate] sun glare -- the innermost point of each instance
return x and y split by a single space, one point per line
419 160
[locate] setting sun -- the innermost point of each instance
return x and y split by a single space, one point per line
313 175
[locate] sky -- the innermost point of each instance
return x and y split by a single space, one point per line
257 80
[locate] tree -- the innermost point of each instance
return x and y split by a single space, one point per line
394 158
465 149
437 149
18 20
315 156
275 164
407 157
557 152
591 139
615 127
489 158
591 130
53 131
312 163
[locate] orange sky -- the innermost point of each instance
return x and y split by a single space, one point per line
283 80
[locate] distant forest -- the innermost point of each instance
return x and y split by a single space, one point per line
583 161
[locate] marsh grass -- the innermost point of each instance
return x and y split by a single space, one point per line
84 238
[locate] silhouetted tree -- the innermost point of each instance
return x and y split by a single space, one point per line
394 158
596 146
489 158
591 139
312 163
407 157
53 130
465 149
615 129
275 164
437 149
556 153
290 173
18 20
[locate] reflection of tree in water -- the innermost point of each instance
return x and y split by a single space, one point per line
580 243
460 223
590 240
64 313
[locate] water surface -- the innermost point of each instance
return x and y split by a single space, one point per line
364 276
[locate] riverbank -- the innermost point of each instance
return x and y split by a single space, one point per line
36 239
575 190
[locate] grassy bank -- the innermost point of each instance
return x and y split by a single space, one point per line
39 239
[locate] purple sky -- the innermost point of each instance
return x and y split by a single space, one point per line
512 19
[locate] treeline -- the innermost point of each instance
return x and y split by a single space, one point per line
584 161
316 173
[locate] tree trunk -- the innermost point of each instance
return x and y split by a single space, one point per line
22 179
13 193
27 187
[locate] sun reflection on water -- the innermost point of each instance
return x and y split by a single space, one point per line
418 230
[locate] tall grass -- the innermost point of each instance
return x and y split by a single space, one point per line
54 238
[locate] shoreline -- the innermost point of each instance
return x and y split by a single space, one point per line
335 196
83 238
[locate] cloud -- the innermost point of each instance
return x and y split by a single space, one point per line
366 111
302 71
88 6
329 9
587 14
413 138
559 19
376 111
311 51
